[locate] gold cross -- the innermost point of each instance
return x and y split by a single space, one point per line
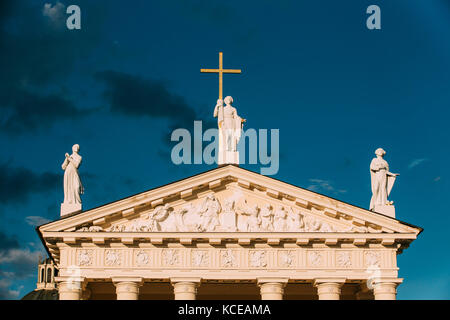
221 71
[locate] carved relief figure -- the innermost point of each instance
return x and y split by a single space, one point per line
73 187
142 258
228 259
156 216
372 259
280 220
266 214
344 259
254 221
228 216
84 257
209 213
295 220
258 259
315 258
246 211
191 219
171 257
287 258
112 257
200 258
313 225
382 180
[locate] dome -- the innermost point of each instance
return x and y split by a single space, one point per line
42 294
46 285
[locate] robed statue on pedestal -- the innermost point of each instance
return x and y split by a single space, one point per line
382 180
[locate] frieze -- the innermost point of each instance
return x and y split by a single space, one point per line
229 215
84 257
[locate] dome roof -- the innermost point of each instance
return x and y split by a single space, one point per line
42 295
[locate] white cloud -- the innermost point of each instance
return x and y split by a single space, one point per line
36 220
16 265
319 185
22 256
5 289
416 162
54 13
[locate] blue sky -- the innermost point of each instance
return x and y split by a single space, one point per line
334 89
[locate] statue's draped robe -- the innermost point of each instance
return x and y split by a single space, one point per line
381 182
72 183
230 126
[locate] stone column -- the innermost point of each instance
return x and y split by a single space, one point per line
127 288
185 288
70 288
329 289
272 288
385 290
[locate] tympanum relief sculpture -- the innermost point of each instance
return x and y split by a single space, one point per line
229 215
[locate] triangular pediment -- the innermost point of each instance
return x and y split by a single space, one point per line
229 199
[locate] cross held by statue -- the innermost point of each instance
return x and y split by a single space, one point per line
221 71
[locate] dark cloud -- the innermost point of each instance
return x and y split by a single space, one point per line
37 53
132 95
27 111
17 183
7 242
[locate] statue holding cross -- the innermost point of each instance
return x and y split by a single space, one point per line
229 123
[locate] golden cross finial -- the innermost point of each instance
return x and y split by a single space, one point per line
221 71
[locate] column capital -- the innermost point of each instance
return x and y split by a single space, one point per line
385 288
263 280
319 281
137 280
196 280
272 290
185 288
70 288
397 281
127 288
329 288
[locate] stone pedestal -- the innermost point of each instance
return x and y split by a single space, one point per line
228 157
127 289
185 289
68 208
387 209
